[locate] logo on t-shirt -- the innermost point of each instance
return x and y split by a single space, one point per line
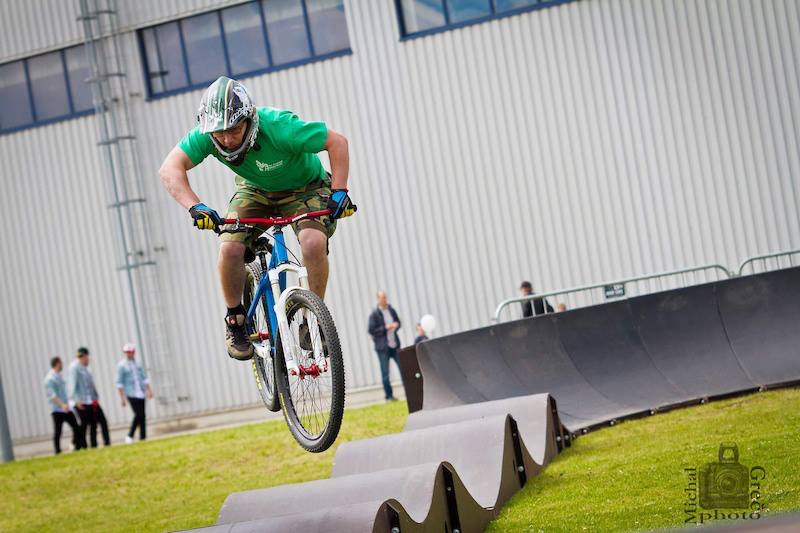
269 167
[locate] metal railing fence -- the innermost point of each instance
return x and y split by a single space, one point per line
661 281
622 288
768 262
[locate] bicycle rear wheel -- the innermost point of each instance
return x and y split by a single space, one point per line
262 362
312 398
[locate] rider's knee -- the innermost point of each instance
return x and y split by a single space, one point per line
314 245
231 252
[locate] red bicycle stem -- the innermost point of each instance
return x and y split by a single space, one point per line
277 221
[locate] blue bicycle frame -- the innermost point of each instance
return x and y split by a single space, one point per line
278 257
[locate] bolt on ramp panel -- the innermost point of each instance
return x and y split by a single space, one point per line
761 314
684 335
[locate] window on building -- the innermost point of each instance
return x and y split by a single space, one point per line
510 5
244 39
77 73
171 63
205 53
328 26
286 28
44 88
48 86
424 16
15 102
421 15
464 10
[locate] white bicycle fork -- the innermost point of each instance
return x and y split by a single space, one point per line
291 349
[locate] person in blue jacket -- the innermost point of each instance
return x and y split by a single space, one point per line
56 390
133 385
83 394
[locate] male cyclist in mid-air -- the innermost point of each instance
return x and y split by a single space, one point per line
278 173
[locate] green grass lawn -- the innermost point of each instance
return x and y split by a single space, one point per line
624 478
172 483
631 477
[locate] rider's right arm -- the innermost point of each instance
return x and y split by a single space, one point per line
176 181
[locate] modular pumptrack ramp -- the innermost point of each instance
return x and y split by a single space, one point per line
483 403
628 358
450 470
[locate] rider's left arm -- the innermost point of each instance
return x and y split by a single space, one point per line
339 156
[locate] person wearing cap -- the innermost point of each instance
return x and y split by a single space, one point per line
539 304
59 407
83 394
133 385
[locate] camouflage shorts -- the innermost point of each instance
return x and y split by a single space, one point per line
250 201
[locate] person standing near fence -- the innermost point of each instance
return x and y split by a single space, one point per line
383 326
133 385
83 394
540 305
59 407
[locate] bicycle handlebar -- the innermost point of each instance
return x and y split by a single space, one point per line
277 221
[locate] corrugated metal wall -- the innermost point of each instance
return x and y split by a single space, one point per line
594 140
31 26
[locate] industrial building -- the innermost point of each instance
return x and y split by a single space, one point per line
491 141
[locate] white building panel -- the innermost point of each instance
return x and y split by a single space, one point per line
30 26
589 141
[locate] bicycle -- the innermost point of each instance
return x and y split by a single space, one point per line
296 346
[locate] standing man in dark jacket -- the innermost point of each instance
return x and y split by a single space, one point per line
383 326
539 304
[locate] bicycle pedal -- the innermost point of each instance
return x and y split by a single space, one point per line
259 336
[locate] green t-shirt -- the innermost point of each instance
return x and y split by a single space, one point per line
284 156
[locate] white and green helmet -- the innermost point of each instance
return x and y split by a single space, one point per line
225 104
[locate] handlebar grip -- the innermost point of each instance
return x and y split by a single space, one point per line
350 211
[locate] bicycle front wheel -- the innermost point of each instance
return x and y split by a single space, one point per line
313 396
